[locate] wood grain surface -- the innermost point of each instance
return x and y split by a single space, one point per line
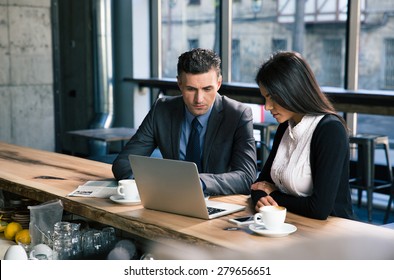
44 176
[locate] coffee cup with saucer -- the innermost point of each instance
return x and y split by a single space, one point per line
270 221
127 193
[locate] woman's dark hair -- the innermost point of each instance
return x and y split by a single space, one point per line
198 61
290 82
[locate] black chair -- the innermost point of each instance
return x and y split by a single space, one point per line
365 180
263 146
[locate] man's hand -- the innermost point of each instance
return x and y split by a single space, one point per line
264 186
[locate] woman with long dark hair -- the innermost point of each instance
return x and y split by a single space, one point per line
307 170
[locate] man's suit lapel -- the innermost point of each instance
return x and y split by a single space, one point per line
215 120
175 128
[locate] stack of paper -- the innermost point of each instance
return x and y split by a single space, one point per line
103 189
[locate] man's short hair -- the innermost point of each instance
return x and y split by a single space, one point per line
198 61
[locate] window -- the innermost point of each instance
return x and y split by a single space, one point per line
279 45
185 25
389 64
269 26
376 62
331 63
376 59
258 30
235 71
194 2
193 44
316 29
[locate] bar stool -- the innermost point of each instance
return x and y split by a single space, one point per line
388 209
365 174
263 146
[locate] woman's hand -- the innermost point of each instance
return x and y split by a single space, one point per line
265 201
267 188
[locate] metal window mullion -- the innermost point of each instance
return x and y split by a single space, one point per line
156 34
352 51
226 38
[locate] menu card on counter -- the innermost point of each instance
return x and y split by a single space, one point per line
102 189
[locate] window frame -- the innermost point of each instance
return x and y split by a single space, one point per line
351 55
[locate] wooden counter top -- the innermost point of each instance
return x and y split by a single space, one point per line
43 176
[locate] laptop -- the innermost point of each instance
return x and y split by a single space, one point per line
174 186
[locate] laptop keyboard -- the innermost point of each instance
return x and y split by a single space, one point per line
212 210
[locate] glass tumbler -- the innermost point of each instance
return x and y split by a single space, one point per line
108 238
87 244
76 241
62 241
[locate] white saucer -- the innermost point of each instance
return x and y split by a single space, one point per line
285 230
119 199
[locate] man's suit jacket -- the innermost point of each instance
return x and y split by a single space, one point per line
229 153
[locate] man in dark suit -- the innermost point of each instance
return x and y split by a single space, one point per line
227 162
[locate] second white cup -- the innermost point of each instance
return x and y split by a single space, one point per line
128 189
271 217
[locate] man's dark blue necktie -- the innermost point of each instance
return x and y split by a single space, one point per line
193 149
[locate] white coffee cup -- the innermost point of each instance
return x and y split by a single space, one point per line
127 188
271 217
41 252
